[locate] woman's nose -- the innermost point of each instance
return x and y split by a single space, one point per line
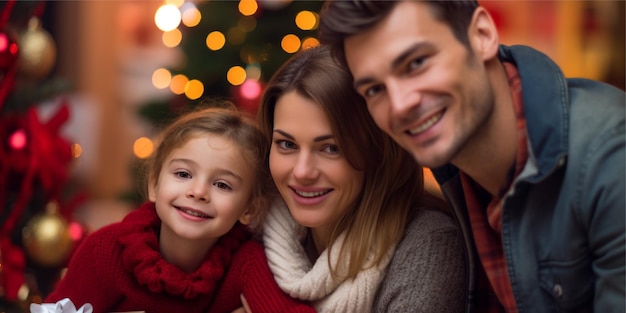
305 167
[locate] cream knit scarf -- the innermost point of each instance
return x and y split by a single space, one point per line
297 277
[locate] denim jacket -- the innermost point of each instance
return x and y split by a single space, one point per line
563 221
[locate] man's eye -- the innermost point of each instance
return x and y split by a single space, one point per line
416 63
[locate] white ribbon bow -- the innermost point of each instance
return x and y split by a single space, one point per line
63 306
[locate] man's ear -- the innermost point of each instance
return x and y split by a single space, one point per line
483 35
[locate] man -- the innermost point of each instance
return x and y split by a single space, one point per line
533 164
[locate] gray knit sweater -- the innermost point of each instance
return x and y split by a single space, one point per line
427 270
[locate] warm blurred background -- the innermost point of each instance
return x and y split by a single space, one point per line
85 85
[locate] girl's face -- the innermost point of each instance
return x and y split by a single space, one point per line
311 173
203 188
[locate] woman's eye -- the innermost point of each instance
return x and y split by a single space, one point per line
332 149
183 174
286 145
372 91
222 185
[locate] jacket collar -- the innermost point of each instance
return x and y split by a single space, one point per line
546 106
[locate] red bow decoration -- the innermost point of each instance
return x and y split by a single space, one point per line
42 160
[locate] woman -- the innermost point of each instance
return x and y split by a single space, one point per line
355 231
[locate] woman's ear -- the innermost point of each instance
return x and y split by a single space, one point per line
483 35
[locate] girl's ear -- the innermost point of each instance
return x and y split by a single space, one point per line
151 190
246 217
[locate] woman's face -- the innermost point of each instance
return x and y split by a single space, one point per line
311 173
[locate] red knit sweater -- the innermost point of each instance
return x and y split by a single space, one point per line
250 275
119 268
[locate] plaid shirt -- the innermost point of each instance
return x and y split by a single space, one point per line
485 213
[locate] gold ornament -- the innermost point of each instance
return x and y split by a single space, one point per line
37 53
46 237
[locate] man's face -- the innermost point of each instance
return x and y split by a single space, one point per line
422 86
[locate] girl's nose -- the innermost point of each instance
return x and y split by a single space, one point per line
198 191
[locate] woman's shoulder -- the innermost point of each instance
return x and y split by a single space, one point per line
428 259
430 231
428 219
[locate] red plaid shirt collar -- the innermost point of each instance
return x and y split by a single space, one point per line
485 213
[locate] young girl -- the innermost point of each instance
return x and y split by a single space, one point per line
205 182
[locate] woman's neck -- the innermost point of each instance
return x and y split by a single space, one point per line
314 243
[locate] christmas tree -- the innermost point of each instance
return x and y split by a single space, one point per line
230 49
37 235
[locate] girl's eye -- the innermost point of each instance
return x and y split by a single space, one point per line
183 174
222 185
285 145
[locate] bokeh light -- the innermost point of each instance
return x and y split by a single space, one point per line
191 16
306 20
161 78
178 84
236 75
77 150
290 43
248 7
76 231
18 139
250 89
236 36
253 71
215 40
167 17
246 23
172 38
310 42
194 89
176 3
143 147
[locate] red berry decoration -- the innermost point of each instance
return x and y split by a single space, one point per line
8 51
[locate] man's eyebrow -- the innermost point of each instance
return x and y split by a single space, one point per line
397 61
316 139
